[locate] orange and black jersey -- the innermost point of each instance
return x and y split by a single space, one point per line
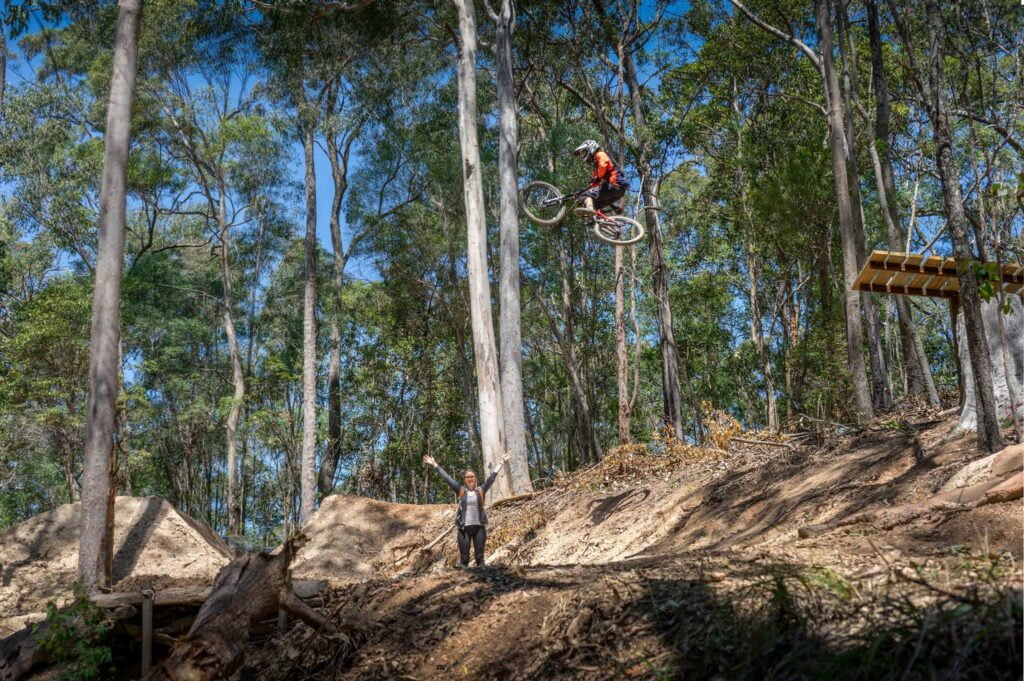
605 170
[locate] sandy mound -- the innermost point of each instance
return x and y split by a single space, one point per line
348 533
152 541
751 501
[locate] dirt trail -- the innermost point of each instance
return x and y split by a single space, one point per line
676 563
152 541
749 502
647 566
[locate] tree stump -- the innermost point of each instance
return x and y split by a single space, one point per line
251 588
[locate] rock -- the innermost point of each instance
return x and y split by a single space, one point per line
995 465
1008 490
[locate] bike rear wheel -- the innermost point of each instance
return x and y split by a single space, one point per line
542 202
618 230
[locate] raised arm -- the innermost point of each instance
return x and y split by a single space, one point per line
429 460
494 474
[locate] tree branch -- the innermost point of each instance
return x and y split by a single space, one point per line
792 40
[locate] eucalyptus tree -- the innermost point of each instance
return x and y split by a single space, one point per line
492 427
824 61
96 546
625 32
300 80
990 436
230 154
919 373
509 321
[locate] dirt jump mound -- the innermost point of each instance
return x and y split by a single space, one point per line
153 541
348 534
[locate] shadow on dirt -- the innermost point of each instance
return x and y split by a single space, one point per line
655 621
147 517
875 470
602 509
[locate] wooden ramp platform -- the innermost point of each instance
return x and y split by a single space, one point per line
935 276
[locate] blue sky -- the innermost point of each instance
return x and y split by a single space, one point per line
20 71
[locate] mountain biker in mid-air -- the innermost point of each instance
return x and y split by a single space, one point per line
607 184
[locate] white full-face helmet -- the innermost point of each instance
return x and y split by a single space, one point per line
586 149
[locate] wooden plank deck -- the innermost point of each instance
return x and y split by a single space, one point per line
913 274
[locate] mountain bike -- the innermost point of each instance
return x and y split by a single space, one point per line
545 204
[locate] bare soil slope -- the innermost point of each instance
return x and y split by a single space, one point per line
678 562
348 533
687 564
152 541
752 500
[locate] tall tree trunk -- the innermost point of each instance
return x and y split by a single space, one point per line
621 351
854 333
790 325
990 437
590 447
881 392
509 314
492 425
919 373
237 378
672 397
757 337
339 173
96 546
3 55
307 504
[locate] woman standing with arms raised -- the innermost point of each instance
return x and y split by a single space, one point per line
471 519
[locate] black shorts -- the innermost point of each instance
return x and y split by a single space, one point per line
604 194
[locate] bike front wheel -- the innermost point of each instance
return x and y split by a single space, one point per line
618 230
542 202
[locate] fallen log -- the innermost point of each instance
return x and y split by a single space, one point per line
438 538
999 465
251 588
767 443
1008 490
185 596
518 497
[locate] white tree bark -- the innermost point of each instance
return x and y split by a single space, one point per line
1005 385
307 494
95 551
492 434
509 315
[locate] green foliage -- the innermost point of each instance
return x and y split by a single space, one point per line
734 137
77 637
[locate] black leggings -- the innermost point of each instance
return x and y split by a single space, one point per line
605 194
478 535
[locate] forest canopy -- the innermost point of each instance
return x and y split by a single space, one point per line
279 148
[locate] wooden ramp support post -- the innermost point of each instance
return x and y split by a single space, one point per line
147 627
